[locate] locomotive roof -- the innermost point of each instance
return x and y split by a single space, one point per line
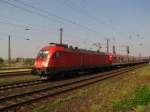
84 51
72 49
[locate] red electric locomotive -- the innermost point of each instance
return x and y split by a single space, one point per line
57 58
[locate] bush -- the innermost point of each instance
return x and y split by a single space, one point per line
29 61
1 61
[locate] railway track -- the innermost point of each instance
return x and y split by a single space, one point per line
21 84
11 102
14 68
11 72
14 74
37 82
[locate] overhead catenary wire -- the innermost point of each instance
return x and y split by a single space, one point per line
82 11
85 13
27 10
39 27
62 19
44 16
27 26
45 12
15 25
24 26
111 20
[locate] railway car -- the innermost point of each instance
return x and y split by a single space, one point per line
124 60
57 58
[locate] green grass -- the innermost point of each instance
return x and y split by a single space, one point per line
141 98
144 71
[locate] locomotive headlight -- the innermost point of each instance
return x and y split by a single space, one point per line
44 64
35 63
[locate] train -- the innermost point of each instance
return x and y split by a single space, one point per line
57 58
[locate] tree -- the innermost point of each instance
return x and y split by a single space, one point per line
29 61
1 60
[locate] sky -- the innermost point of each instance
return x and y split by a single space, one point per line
84 23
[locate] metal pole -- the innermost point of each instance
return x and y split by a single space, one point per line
61 30
114 49
9 50
107 45
128 51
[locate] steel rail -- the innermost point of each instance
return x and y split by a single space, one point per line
14 74
13 68
21 84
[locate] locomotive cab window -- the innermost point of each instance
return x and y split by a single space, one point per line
56 55
42 54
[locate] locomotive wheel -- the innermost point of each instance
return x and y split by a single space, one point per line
50 76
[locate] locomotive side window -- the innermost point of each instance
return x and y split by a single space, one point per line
56 55
42 54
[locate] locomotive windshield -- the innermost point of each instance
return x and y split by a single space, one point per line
42 54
